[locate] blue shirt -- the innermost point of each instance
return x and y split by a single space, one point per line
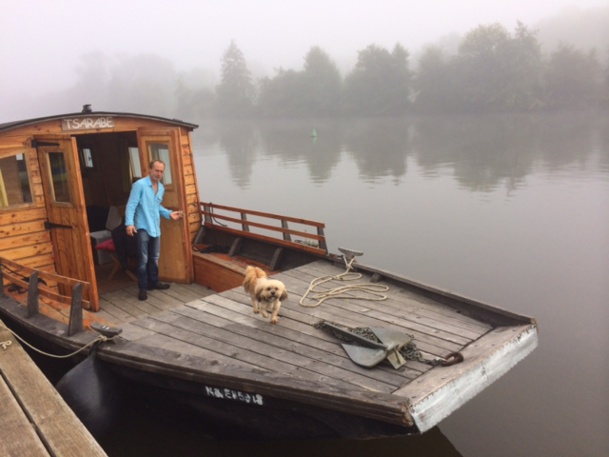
144 208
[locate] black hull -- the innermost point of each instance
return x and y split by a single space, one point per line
235 417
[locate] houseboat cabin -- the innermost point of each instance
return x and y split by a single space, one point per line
63 178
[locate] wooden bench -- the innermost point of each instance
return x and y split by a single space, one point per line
245 235
220 271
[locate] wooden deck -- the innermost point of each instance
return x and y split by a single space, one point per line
195 321
212 342
35 421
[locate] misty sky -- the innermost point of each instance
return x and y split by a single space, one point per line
42 41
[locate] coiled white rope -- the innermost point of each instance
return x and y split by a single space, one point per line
371 292
100 338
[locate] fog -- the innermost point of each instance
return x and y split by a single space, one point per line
43 43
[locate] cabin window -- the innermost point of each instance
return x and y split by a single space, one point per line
134 163
14 181
87 158
59 174
160 151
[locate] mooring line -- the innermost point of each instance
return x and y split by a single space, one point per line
98 339
372 291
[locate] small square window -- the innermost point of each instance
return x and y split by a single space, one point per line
14 181
87 158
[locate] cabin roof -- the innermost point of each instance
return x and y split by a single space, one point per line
16 124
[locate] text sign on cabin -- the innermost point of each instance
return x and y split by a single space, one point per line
87 123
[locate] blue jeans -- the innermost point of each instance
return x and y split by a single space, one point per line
148 253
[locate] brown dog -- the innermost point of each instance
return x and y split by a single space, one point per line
266 293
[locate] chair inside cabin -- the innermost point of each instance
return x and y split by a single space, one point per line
111 243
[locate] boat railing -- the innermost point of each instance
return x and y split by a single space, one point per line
283 230
19 278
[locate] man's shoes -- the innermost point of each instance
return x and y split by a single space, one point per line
142 295
158 286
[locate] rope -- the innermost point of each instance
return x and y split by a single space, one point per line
371 292
99 339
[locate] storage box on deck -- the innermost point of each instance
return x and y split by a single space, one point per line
114 220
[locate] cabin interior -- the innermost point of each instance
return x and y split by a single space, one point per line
109 163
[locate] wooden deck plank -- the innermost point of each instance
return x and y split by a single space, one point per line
280 357
14 423
428 342
297 332
159 341
329 363
35 420
454 330
162 300
302 323
110 311
188 292
407 299
128 302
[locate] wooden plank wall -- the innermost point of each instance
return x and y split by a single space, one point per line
190 184
22 234
23 237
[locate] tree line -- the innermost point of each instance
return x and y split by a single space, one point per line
493 70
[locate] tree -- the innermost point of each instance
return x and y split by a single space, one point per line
379 84
481 68
433 82
573 78
524 65
322 84
315 91
282 96
235 93
192 103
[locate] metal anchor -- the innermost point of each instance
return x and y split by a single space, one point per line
369 353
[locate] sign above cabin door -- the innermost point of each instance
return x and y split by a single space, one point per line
66 211
175 262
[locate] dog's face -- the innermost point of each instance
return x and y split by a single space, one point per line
269 290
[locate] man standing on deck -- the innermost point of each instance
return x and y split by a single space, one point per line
143 218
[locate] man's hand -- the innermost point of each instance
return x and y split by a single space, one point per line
131 230
175 215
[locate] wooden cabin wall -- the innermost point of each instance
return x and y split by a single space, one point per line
190 184
23 237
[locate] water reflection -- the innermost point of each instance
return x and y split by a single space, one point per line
484 153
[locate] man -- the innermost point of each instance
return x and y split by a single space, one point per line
143 218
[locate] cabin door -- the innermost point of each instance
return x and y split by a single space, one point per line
66 212
174 264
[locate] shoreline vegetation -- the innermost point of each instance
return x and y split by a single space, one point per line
489 70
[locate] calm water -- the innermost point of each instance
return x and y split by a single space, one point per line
509 210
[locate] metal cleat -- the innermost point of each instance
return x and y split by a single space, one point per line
106 330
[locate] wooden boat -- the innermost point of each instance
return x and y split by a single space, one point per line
358 352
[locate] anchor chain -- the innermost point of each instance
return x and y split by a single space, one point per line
409 351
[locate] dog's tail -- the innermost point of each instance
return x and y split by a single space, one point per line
256 271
